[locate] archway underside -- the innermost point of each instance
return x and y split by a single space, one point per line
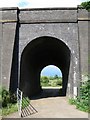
37 54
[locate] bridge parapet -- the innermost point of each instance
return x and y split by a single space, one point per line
49 15
9 15
83 15
43 15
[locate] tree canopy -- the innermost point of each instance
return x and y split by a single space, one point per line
86 5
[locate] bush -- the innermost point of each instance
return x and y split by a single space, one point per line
72 101
7 98
8 102
82 101
9 109
59 82
51 81
13 98
44 79
55 82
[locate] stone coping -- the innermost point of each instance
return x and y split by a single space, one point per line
27 9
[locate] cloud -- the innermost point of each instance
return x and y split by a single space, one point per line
54 3
39 3
9 3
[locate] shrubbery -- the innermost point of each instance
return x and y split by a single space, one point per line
8 101
82 101
8 98
51 81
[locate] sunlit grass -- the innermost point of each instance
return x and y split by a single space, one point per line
9 109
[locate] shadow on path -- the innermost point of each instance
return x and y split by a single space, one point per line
48 92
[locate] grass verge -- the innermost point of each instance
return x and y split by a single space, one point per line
9 109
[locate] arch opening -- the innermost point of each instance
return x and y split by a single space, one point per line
51 81
39 53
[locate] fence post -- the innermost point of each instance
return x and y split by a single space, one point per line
21 104
19 101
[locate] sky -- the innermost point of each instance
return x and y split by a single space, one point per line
51 70
39 3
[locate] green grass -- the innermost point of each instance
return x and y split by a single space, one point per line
25 102
72 101
82 102
81 105
8 102
9 109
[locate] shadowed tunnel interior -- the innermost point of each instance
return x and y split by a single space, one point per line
39 53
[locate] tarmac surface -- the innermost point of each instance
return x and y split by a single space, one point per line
50 105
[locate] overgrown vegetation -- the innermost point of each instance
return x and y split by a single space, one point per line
25 102
86 5
8 102
11 108
51 81
8 98
82 101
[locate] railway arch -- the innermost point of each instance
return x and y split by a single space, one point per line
35 38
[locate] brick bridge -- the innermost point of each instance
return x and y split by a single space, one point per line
31 39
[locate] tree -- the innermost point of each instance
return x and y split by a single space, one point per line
56 77
86 5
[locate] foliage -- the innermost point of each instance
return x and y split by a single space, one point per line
8 98
82 101
55 82
56 77
86 5
51 81
25 102
5 98
59 82
44 79
72 101
9 109
8 101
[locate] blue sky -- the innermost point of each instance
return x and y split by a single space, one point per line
51 70
39 3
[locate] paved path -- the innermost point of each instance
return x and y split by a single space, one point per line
56 107
49 105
